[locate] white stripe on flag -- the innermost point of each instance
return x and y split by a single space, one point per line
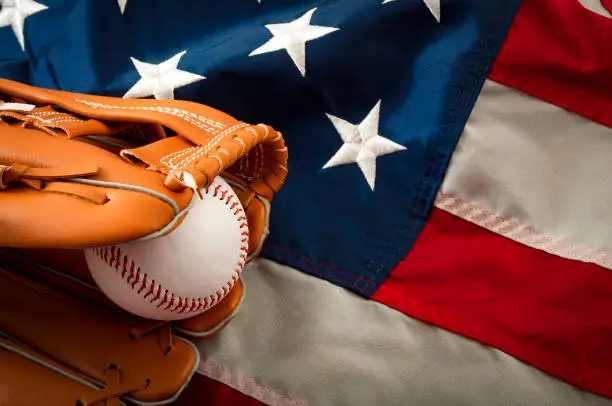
322 345
534 173
596 7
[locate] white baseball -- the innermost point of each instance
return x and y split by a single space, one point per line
185 272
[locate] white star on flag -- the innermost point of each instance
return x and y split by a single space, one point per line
122 4
160 80
14 13
432 5
293 37
362 144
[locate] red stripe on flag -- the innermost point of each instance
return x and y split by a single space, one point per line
203 391
559 51
549 312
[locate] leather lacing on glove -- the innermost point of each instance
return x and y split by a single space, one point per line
114 387
199 174
43 179
162 328
113 390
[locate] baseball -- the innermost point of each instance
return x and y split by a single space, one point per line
185 272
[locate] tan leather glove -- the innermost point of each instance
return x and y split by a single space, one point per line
67 270
73 167
65 349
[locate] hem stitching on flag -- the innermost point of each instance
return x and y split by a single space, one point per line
521 233
247 386
338 276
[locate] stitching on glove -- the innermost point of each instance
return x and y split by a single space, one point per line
195 153
55 117
167 159
245 166
200 121
45 120
244 162
154 292
259 161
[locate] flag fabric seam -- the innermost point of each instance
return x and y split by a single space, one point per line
283 254
247 386
521 233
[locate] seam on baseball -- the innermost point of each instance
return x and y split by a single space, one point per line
154 292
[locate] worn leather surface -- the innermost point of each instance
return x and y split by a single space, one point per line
55 384
87 338
66 269
81 170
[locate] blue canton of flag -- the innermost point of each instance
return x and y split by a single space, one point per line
370 95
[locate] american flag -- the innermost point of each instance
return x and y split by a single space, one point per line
444 234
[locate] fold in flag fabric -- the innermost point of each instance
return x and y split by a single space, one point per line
443 233
558 51
516 253
299 340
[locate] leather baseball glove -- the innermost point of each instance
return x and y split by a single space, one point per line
73 167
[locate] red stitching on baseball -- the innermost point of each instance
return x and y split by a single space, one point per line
193 305
125 267
184 306
136 280
180 303
144 284
132 274
117 260
158 294
150 291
